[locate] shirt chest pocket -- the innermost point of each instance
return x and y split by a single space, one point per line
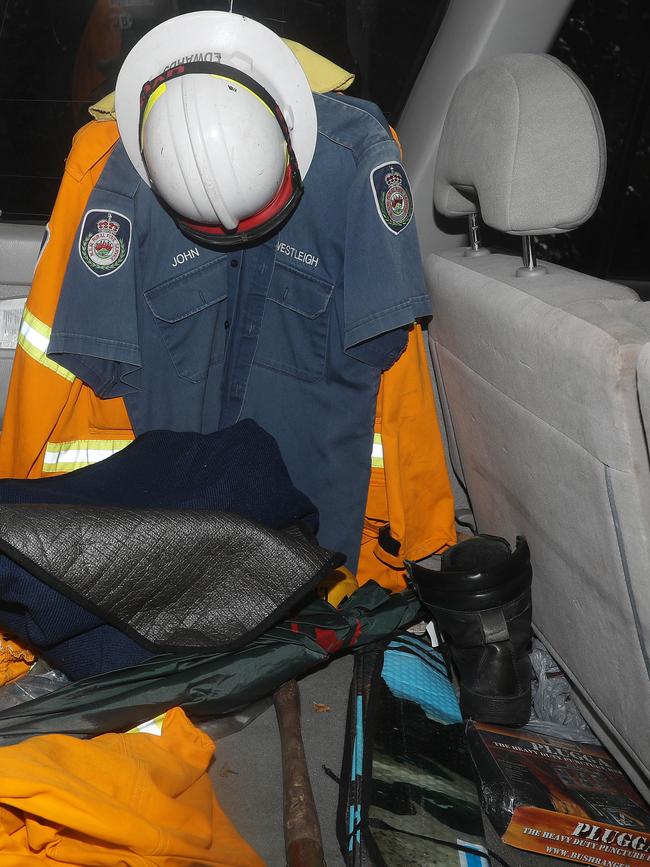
294 334
190 312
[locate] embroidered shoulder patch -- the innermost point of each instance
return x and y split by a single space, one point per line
104 241
392 193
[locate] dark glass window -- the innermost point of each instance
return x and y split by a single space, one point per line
57 57
606 44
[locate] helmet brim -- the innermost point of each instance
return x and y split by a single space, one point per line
228 38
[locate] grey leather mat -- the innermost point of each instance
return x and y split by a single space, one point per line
171 579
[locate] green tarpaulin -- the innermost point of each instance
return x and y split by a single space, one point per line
209 684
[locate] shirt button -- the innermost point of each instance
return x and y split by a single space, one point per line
234 263
226 324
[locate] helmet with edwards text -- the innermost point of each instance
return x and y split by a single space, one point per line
218 118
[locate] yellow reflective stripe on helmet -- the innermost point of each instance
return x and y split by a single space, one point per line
151 727
377 459
34 339
153 99
65 457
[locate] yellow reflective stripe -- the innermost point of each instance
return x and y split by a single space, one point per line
34 339
151 727
65 457
153 99
377 458
36 324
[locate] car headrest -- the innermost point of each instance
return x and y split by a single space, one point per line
523 143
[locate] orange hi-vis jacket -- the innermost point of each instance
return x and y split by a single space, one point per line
134 800
54 423
410 508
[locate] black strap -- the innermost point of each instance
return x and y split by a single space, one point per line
207 67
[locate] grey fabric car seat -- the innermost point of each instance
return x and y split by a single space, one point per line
538 369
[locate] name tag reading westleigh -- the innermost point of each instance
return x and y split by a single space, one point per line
298 255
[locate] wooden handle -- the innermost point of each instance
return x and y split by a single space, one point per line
302 838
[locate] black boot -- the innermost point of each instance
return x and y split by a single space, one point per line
480 602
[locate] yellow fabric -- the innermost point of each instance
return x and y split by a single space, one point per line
409 485
322 75
15 660
338 586
104 109
117 800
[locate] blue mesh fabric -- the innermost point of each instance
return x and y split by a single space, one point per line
418 673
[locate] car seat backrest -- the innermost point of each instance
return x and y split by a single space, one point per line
643 381
539 368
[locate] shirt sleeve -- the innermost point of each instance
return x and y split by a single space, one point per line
95 333
384 281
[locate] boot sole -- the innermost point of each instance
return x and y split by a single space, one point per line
502 710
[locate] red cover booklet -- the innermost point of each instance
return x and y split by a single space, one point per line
560 798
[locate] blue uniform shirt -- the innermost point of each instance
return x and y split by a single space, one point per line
293 332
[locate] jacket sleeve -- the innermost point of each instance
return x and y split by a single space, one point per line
410 508
42 392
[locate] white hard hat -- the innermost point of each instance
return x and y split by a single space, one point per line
218 118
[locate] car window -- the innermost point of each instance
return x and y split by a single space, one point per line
60 56
606 44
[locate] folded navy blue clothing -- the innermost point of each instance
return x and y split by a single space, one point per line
239 469
40 616
70 638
